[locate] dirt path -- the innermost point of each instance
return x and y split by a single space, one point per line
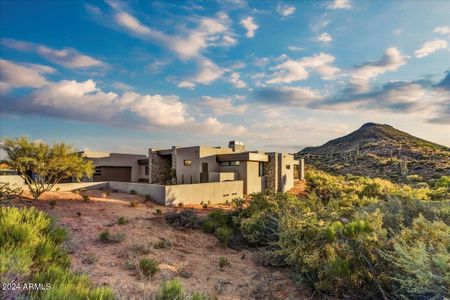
192 255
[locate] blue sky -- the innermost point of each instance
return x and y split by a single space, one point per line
125 76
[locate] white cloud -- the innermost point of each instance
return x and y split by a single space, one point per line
324 38
250 26
296 48
363 74
213 125
235 79
285 10
430 47
13 75
339 4
261 62
223 106
84 101
445 30
187 85
208 72
296 70
67 57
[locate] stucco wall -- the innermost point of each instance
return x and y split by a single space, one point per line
221 176
63 187
254 182
286 179
156 192
214 192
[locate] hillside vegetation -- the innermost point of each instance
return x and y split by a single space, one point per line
377 150
350 237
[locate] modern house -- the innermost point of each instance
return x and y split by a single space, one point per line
199 173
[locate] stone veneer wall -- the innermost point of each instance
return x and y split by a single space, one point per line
174 163
271 172
158 167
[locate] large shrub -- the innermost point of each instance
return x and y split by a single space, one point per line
31 250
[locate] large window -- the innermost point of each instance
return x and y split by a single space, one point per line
261 169
146 170
98 171
288 167
187 162
296 172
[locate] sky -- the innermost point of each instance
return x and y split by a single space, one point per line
127 76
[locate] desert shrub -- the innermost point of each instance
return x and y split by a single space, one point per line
224 234
420 260
52 203
86 198
162 244
184 219
140 249
180 204
216 219
169 290
133 204
122 221
148 267
30 241
158 211
223 262
133 192
107 238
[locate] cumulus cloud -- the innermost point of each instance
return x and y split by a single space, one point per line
285 10
67 57
339 4
296 70
187 85
14 75
235 79
430 47
363 74
250 26
324 38
223 106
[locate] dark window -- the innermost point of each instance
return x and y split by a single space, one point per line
230 163
187 162
146 170
261 169
98 171
288 167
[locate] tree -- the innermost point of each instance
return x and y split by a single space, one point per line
41 166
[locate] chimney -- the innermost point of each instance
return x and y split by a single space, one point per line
236 146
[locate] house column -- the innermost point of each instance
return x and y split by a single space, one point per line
272 172
301 169
174 165
150 165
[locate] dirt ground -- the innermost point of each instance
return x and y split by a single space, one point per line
190 255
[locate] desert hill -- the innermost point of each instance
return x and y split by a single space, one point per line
380 150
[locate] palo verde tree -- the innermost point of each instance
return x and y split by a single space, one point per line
41 166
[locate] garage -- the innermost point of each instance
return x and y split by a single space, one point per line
122 174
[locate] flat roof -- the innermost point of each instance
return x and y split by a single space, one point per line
244 156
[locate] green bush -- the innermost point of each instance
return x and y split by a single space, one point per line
31 247
133 192
224 234
122 221
107 238
173 290
86 198
223 262
169 290
148 267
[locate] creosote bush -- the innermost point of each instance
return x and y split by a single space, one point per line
122 221
173 290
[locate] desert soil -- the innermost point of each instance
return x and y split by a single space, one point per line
192 256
